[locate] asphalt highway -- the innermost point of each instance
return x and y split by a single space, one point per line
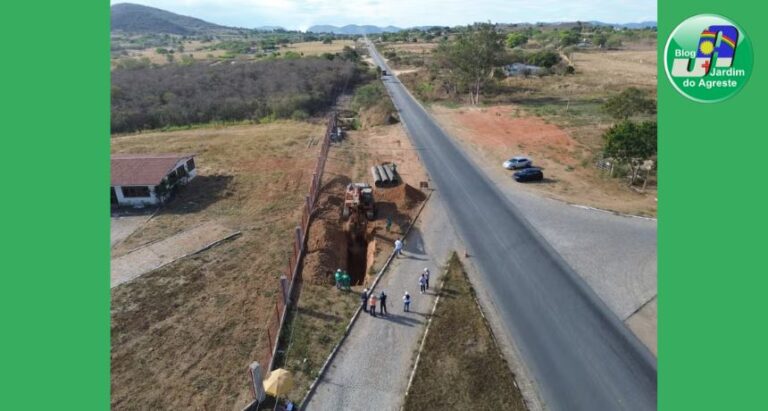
581 356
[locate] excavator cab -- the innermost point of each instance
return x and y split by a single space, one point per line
359 200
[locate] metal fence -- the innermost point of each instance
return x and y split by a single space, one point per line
293 270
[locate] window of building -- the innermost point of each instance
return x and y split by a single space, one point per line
191 164
139 191
173 176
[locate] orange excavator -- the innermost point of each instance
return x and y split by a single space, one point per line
359 207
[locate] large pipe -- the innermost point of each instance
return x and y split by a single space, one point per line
376 176
390 175
384 175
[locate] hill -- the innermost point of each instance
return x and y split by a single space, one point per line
353 29
633 26
135 18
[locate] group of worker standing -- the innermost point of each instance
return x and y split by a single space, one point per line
369 300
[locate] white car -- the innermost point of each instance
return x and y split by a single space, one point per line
517 162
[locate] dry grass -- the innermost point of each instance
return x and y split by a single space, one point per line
461 367
411 47
182 336
314 48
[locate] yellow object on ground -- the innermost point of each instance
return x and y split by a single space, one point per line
279 382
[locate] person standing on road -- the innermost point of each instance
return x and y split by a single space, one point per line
372 302
364 299
426 276
422 284
407 302
383 303
398 247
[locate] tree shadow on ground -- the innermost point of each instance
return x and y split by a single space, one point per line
199 194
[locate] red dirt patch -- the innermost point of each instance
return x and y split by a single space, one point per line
497 133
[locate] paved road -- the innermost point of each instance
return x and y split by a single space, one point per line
580 354
372 367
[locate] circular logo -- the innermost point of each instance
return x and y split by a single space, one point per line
708 58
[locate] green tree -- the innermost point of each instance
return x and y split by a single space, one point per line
472 56
627 140
328 40
516 39
631 142
600 39
569 37
544 58
630 102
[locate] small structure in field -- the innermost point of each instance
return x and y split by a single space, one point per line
140 180
520 69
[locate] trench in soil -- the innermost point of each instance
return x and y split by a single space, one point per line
357 259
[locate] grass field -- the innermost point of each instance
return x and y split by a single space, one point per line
461 367
182 336
315 48
199 51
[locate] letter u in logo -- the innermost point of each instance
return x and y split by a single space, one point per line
729 36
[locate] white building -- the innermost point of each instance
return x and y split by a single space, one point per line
140 180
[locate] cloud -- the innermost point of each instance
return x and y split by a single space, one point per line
300 14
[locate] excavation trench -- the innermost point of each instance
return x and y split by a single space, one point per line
359 257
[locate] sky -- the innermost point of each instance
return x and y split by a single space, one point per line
301 14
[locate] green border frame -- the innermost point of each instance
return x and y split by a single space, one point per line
54 281
712 288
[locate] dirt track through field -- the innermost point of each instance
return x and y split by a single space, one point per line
152 256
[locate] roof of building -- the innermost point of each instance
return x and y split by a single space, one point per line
143 169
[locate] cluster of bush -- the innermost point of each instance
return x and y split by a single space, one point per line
147 97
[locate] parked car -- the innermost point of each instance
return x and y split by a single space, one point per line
517 162
529 174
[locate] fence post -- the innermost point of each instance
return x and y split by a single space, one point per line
284 288
277 311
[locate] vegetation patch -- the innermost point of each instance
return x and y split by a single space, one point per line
177 95
461 367
374 106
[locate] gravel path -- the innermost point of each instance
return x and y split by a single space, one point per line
155 255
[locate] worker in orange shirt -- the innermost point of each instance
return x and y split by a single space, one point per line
372 304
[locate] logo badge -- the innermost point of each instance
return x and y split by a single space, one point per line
708 58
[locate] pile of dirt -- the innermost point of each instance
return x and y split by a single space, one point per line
403 195
326 251
327 241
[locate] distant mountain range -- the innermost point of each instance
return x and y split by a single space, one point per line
641 25
353 29
135 18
